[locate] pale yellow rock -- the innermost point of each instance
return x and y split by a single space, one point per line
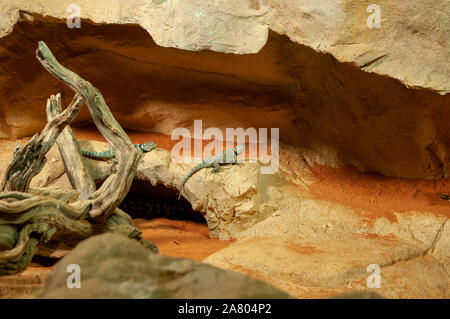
409 32
342 115
230 200
441 250
313 248
321 76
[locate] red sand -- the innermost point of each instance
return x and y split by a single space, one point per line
180 238
380 196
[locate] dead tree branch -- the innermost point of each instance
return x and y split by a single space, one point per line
28 161
76 171
117 185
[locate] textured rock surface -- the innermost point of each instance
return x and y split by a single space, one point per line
231 200
306 247
313 248
113 266
409 32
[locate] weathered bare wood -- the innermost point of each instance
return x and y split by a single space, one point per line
35 218
28 161
117 185
69 149
52 220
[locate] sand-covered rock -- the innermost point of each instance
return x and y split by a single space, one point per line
305 246
112 266
313 248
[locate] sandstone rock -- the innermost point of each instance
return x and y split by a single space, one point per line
408 32
441 249
340 92
6 152
313 248
306 247
113 266
340 28
230 200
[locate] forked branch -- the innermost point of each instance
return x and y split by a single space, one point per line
117 185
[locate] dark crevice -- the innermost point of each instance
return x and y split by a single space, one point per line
147 201
44 261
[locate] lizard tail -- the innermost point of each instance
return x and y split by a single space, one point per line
188 175
105 154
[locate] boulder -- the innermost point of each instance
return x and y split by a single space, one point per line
113 266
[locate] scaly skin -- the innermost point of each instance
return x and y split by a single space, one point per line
145 147
226 157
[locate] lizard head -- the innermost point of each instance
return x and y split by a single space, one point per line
147 147
239 149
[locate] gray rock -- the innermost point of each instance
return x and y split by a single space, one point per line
113 266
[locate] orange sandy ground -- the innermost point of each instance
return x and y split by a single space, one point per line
380 196
180 238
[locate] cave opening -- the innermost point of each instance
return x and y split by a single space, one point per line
146 201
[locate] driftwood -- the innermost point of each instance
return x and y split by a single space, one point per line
34 221
28 161
69 149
